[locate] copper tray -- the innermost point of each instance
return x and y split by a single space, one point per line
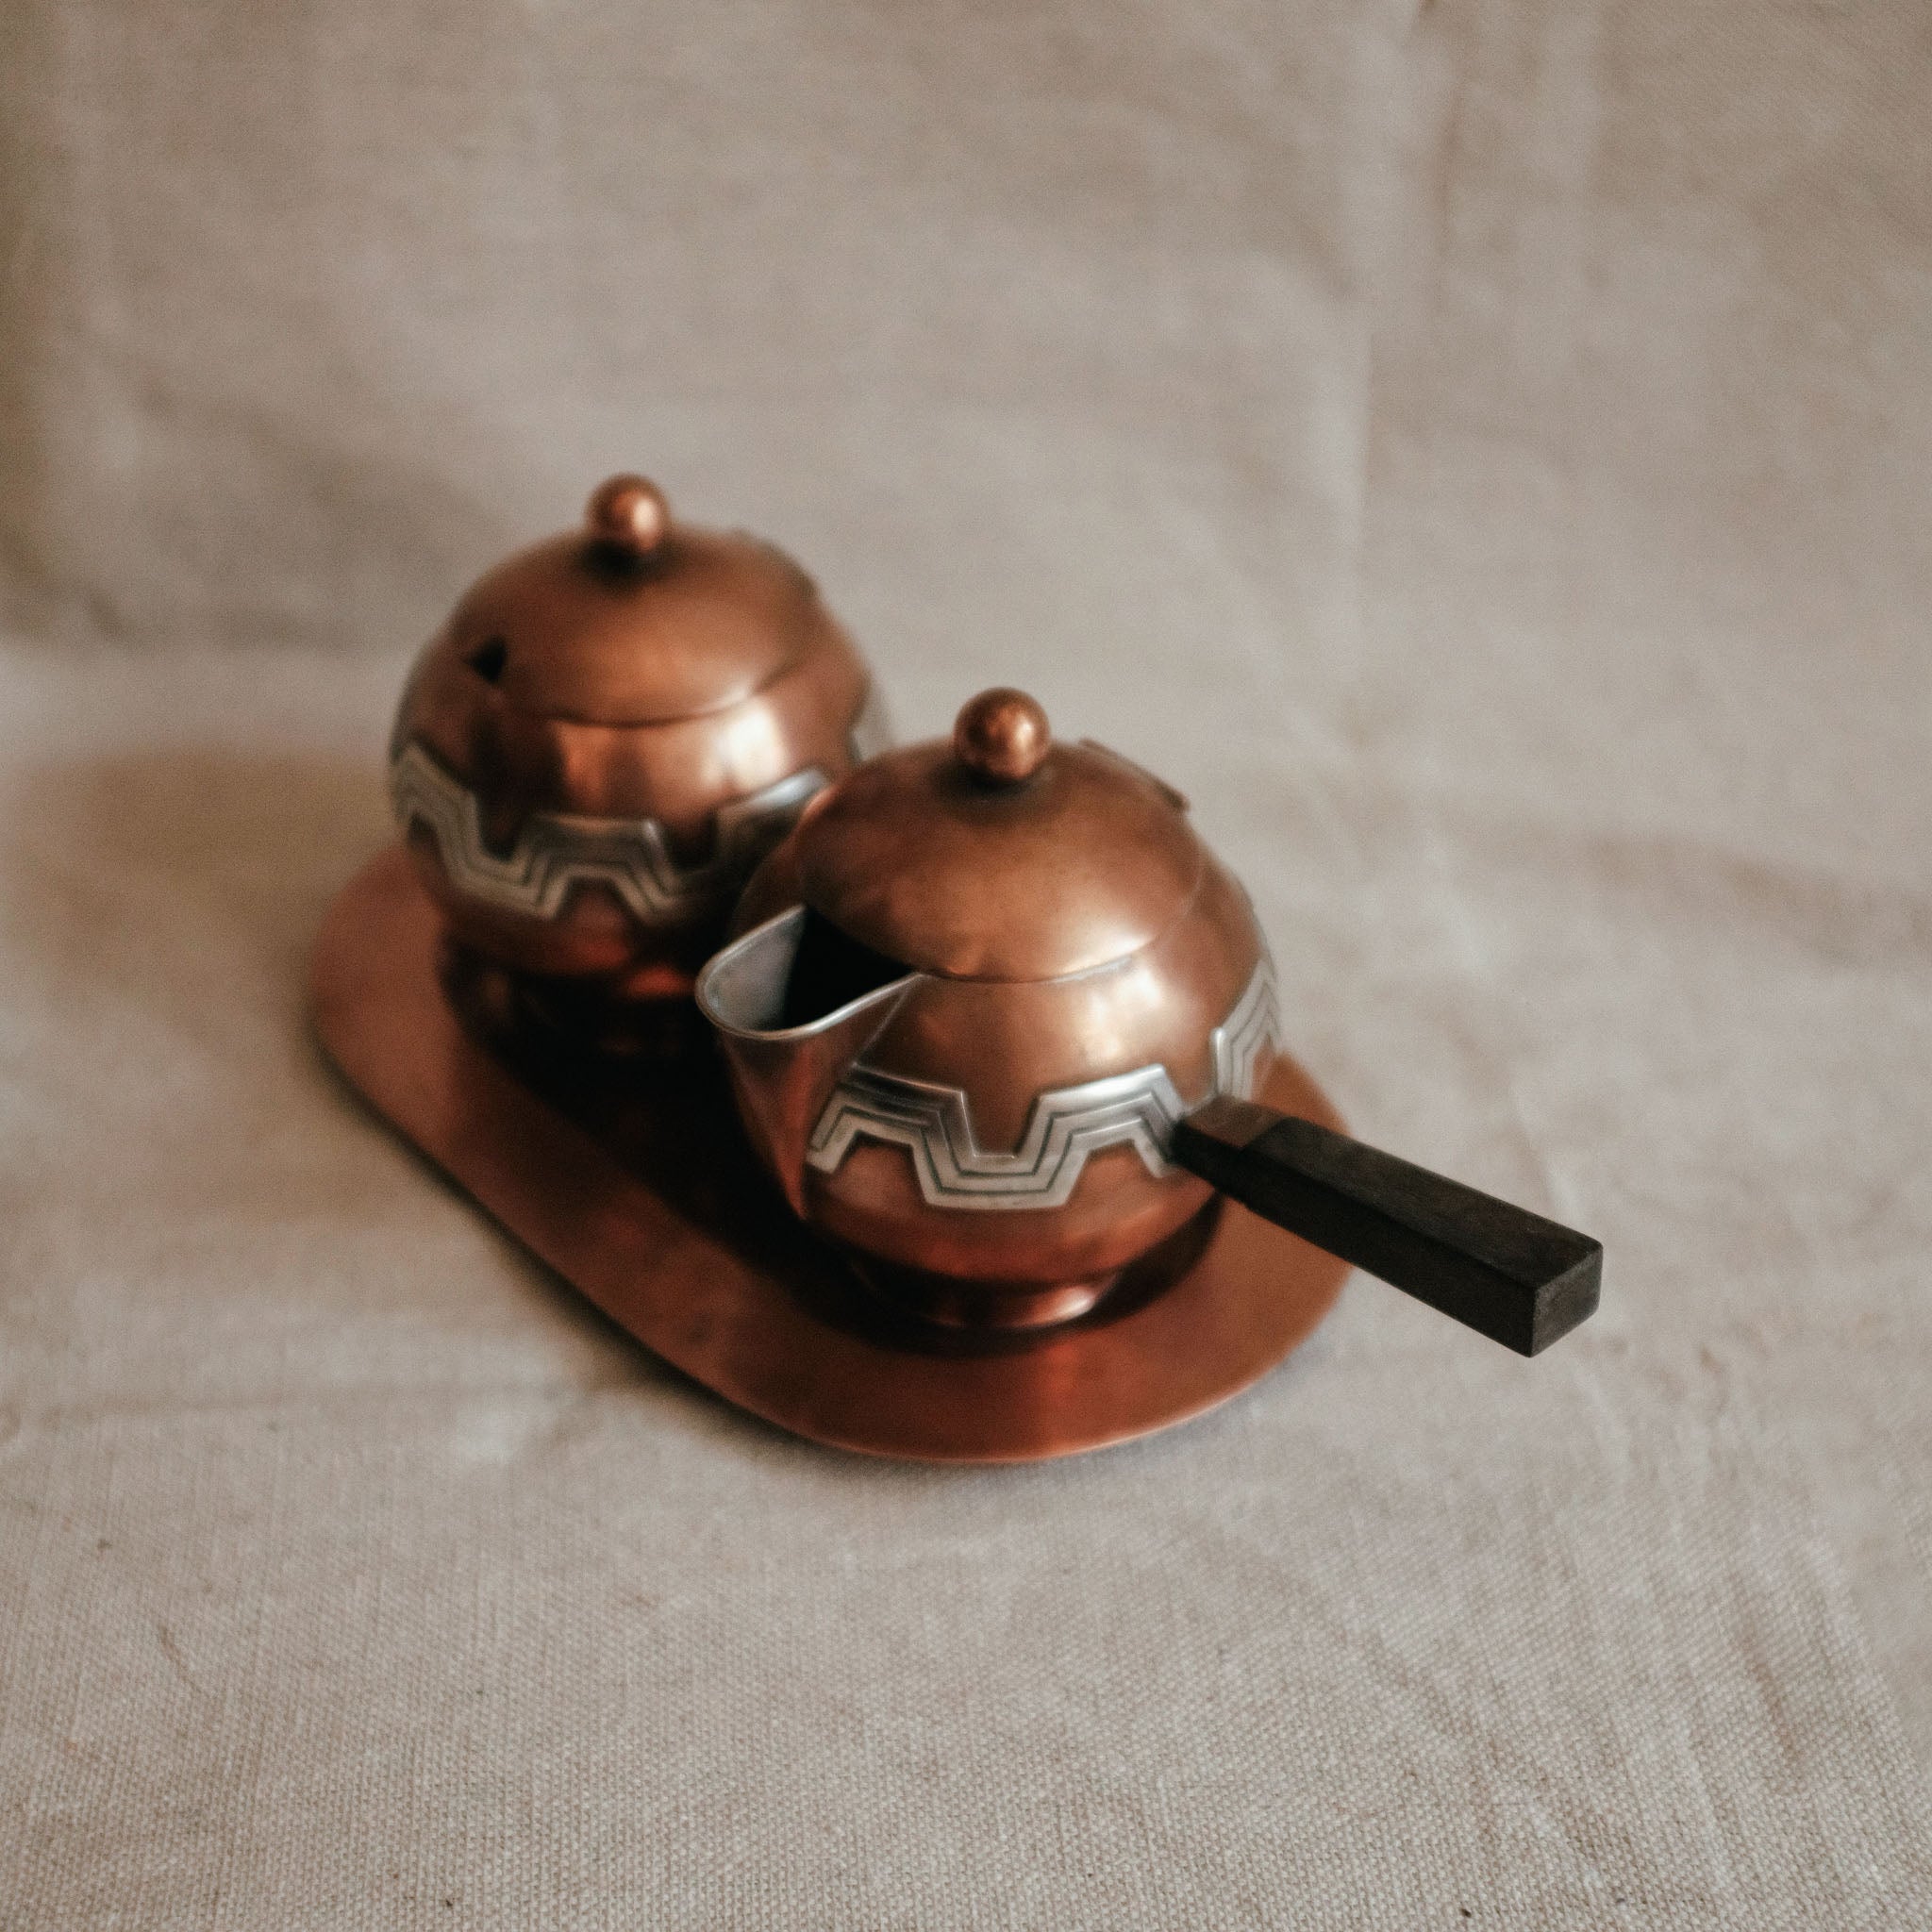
635 1185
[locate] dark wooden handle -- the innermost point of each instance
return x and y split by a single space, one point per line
1506 1272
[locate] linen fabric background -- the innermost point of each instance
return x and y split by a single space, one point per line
1481 453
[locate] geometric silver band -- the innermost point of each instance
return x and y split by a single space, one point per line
1139 1109
556 852
1248 1031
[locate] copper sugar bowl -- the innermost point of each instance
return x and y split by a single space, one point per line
994 1021
609 732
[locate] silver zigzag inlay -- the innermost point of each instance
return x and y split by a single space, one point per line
934 1124
556 852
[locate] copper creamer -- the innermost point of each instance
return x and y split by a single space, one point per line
1059 970
998 1023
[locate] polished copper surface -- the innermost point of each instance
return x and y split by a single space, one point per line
1072 866
1002 1044
640 618
643 1195
1044 921
638 670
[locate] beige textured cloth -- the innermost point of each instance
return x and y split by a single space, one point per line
1484 456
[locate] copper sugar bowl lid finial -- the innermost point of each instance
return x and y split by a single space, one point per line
609 731
998 1022
629 514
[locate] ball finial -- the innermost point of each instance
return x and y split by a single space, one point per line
628 513
1001 736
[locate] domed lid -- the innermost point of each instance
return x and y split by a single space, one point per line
999 854
638 619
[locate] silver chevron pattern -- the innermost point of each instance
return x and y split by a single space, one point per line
555 852
1240 1040
934 1124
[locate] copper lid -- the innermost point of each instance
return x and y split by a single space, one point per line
999 854
638 619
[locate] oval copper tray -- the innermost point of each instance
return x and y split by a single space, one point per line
634 1184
